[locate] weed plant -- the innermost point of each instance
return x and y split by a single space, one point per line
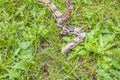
30 43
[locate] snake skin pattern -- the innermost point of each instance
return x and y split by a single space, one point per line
61 19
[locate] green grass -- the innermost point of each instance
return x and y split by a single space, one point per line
25 25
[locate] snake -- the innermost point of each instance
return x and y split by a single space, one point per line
61 20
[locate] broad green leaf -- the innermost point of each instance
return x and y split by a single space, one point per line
67 39
13 74
26 54
24 45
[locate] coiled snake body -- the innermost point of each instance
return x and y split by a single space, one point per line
61 19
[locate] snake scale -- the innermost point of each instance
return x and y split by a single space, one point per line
61 19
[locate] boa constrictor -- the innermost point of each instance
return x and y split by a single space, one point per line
61 19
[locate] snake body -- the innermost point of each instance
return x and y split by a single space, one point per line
61 19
